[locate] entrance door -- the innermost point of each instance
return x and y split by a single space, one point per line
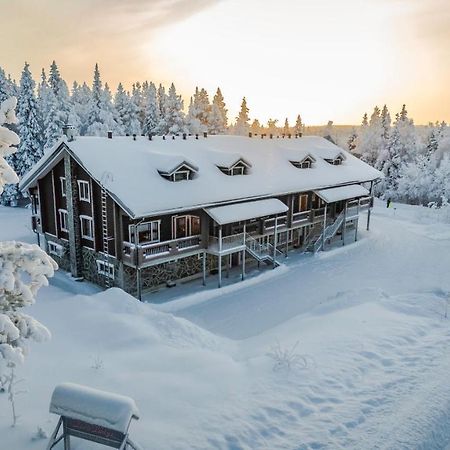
185 226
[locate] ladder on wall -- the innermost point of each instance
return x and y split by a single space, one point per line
105 237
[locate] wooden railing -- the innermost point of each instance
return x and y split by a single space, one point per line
147 252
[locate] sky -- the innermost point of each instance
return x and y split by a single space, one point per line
323 59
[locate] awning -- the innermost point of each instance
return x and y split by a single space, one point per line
246 211
342 193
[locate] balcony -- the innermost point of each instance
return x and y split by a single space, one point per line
230 244
146 253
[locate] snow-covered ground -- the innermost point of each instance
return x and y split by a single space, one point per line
370 370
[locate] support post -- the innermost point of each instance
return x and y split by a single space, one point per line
243 265
370 205
287 244
275 239
324 226
344 225
357 220
204 268
220 256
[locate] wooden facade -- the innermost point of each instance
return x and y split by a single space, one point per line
89 234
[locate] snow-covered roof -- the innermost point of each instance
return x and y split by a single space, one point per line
140 189
96 407
342 193
246 210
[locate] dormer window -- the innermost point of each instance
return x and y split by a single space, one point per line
240 167
336 161
305 163
183 172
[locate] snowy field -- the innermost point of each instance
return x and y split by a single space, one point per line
365 325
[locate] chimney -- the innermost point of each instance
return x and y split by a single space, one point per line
289 135
184 136
150 137
300 134
69 132
134 137
196 135
262 135
109 134
250 135
271 136
205 134
173 137
164 137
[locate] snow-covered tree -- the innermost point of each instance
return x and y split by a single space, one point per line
163 127
218 119
286 128
174 116
24 268
52 117
151 117
242 120
192 122
298 128
201 108
352 141
255 127
30 148
272 126
61 92
101 112
80 107
7 88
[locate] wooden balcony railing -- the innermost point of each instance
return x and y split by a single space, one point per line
147 252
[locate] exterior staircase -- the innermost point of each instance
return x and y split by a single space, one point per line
261 252
315 240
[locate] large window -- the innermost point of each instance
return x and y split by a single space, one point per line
84 190
302 202
184 226
87 228
147 232
63 220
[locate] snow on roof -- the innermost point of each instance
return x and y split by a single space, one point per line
228 160
170 163
342 193
247 210
96 407
142 191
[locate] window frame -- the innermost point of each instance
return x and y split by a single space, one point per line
87 186
91 222
103 270
132 228
63 213
299 200
185 172
62 180
53 248
306 164
190 218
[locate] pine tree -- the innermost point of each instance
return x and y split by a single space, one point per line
80 107
7 89
385 123
174 116
255 127
30 149
286 128
138 108
162 105
201 109
352 141
192 122
152 115
272 126
52 118
61 92
218 120
242 120
298 125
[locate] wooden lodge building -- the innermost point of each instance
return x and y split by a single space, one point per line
141 212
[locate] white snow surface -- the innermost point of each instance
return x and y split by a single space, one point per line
141 190
369 318
94 406
246 210
336 194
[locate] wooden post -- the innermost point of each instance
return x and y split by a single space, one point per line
344 225
324 225
357 220
370 205
204 268
287 244
220 256
275 238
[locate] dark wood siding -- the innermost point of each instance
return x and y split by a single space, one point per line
47 204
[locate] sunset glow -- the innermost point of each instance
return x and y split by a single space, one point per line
326 60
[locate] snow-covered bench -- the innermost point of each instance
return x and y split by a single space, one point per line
93 415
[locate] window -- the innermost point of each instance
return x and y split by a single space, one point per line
105 268
185 226
303 202
147 232
237 169
306 164
84 190
181 175
63 220
334 162
63 186
87 228
54 248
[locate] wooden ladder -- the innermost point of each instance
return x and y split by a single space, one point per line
105 237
